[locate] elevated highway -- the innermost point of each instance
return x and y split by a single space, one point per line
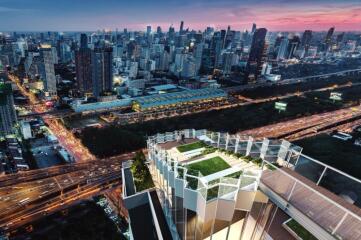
25 197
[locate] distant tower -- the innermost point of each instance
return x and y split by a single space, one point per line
329 35
83 40
159 30
102 70
83 66
257 55
328 39
293 46
149 30
47 70
340 38
282 51
306 39
181 27
254 27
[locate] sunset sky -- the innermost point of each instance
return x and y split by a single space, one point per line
276 15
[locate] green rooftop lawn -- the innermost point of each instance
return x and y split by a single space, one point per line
209 166
191 146
300 231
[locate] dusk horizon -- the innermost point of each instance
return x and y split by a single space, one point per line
277 15
180 120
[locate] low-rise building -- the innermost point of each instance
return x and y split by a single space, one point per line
177 98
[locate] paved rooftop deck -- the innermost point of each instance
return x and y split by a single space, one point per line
317 208
172 144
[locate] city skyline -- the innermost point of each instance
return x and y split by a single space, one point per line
76 15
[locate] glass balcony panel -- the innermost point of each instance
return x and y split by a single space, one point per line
343 186
308 168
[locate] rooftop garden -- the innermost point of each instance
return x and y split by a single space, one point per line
300 231
247 159
191 146
141 175
209 166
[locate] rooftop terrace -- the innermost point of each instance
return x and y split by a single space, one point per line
292 180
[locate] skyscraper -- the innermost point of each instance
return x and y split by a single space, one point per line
257 54
329 35
149 30
83 40
7 110
181 27
339 38
83 66
159 30
198 52
328 38
254 27
102 70
282 51
306 38
171 34
292 46
47 70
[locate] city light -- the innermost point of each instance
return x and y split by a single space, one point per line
180 120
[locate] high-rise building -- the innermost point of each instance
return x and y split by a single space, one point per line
47 70
283 47
7 111
198 52
159 30
306 38
83 40
216 47
339 38
83 66
257 55
189 67
292 46
55 55
164 61
328 38
254 27
171 34
181 27
149 30
229 59
102 70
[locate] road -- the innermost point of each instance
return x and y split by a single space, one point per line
304 126
294 80
25 199
54 114
64 136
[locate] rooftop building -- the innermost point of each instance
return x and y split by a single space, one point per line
214 185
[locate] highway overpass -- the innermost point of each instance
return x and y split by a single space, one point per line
27 196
